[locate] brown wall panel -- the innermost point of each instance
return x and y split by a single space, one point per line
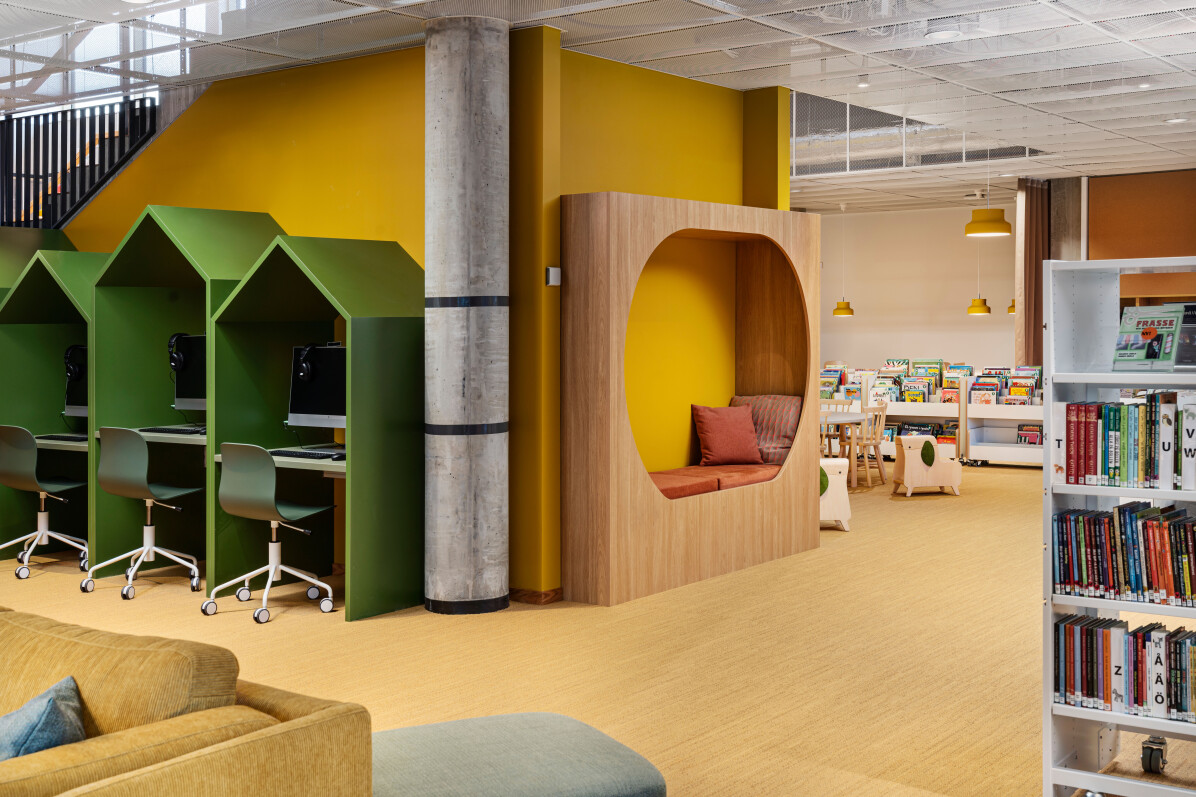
1142 215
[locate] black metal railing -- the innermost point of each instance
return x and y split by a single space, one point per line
52 163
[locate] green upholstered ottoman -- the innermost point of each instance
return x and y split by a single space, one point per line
510 755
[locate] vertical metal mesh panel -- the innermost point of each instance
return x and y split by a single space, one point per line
819 135
876 140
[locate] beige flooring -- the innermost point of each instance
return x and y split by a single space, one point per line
901 658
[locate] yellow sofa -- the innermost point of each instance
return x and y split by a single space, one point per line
167 717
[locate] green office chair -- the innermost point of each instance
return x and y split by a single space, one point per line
18 470
124 471
248 489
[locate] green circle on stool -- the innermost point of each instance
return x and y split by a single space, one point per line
823 481
928 454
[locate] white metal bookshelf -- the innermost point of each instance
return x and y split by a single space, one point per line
934 411
1081 310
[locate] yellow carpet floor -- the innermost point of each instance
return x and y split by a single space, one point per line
901 658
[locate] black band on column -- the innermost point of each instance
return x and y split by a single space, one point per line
467 607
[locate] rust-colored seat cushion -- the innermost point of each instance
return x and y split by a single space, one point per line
775 418
726 435
742 475
684 482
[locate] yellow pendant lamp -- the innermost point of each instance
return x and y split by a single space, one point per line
1012 307
978 305
843 307
987 222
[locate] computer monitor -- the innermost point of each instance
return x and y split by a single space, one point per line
318 386
191 380
75 360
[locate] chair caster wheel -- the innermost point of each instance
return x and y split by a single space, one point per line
1154 755
83 565
127 592
261 616
22 557
208 607
313 593
87 585
326 605
195 583
22 573
243 594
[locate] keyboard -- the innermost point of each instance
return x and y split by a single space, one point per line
72 438
290 452
175 429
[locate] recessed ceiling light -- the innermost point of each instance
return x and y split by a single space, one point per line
1010 174
1143 85
943 35
1176 120
139 2
862 82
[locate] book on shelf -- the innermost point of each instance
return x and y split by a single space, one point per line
929 369
1029 434
982 394
1148 672
960 369
853 392
1132 443
1185 344
949 395
1023 401
931 429
882 393
896 365
1146 340
890 432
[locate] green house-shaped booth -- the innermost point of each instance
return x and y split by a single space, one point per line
47 311
369 296
172 270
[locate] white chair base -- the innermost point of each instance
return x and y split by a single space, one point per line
42 536
148 552
274 568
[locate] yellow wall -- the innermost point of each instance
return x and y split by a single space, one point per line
680 346
334 150
337 150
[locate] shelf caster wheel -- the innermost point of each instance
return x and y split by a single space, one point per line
195 583
1154 755
243 594
87 585
22 573
23 557
83 565
313 593
261 616
326 605
208 607
127 592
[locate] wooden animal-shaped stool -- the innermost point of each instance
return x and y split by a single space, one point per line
920 464
833 504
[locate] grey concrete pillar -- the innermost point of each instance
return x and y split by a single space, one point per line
467 315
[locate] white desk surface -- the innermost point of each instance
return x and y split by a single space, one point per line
842 417
63 445
177 439
333 470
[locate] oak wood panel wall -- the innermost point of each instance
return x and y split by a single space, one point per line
621 538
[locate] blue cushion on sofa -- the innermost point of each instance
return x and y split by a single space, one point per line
510 755
53 718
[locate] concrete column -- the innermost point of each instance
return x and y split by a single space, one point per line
467 318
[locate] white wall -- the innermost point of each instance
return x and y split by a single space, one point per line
910 277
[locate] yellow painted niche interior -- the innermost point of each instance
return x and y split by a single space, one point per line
680 347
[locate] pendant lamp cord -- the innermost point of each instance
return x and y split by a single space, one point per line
978 270
843 251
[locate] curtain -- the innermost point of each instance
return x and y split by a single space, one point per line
1032 247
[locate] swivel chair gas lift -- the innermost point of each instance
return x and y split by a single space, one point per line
124 471
18 470
248 481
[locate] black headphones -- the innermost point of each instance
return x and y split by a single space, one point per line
74 370
307 369
177 361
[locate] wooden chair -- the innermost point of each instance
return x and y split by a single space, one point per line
829 431
869 436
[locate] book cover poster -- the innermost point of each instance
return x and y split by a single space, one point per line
1147 338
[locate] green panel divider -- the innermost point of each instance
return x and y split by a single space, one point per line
293 295
47 310
18 244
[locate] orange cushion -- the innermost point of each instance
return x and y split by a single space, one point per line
726 435
683 482
743 475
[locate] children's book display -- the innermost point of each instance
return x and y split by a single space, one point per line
1017 386
1147 338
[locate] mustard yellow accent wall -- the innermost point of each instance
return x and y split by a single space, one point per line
766 133
626 128
333 150
680 346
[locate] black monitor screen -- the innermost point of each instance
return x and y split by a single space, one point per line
191 382
76 381
319 400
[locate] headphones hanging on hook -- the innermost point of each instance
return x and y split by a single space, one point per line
307 369
74 370
177 361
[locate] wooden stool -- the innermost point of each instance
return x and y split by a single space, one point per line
912 472
833 505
